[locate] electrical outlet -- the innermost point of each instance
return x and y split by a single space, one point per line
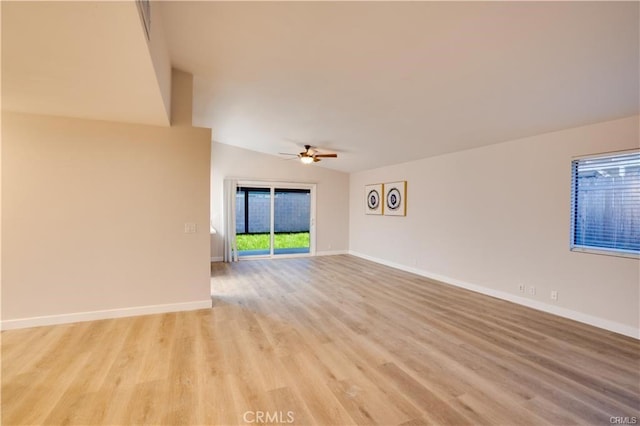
554 295
190 228
521 288
532 291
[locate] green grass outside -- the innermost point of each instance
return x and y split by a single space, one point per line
281 241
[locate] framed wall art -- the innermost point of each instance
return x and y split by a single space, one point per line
395 198
373 203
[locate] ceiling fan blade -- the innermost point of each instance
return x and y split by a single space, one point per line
326 155
287 153
316 159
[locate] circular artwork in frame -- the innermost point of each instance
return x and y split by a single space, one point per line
374 199
394 199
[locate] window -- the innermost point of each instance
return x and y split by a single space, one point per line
605 208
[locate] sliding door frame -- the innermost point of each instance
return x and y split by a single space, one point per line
272 186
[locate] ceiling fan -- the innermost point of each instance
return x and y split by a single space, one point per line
311 155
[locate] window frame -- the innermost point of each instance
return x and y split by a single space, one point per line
591 249
271 187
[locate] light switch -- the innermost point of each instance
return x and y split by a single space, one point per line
190 228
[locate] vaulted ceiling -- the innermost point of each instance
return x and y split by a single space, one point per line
380 82
388 82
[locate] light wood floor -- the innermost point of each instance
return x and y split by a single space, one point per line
333 340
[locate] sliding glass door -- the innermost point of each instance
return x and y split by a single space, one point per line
291 220
275 220
253 221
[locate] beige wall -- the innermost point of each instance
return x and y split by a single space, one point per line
160 57
497 216
181 98
94 212
332 192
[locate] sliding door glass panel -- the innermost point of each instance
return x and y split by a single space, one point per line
291 221
253 221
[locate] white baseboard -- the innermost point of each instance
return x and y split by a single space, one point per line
217 259
291 256
105 314
331 252
616 327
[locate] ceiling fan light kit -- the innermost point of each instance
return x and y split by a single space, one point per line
311 155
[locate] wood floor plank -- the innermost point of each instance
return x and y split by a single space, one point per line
329 340
289 406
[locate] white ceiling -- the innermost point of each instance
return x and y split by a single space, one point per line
79 59
388 82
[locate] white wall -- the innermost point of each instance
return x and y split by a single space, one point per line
93 219
332 192
497 216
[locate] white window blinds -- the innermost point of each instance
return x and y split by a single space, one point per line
605 209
